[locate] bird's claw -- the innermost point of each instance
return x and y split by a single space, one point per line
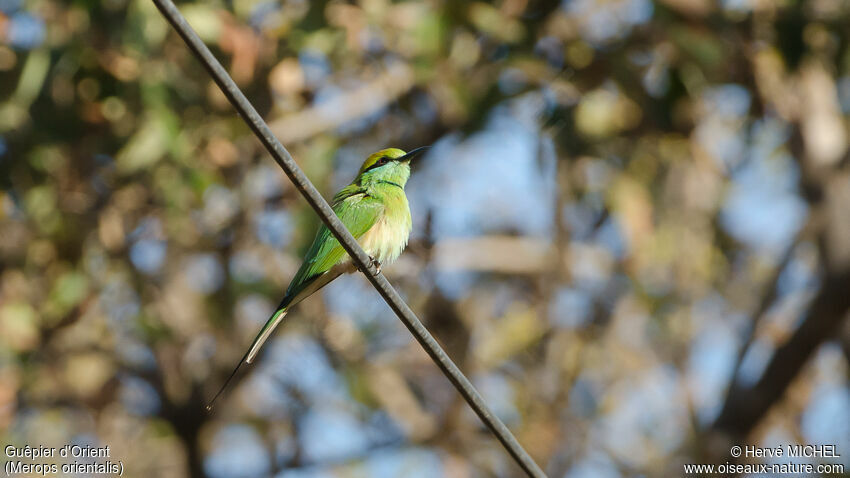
377 264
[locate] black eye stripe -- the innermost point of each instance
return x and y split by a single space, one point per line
384 160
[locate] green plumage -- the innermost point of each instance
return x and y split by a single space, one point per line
358 216
374 208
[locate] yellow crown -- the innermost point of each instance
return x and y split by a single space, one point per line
391 153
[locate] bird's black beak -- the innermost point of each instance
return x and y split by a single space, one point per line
413 153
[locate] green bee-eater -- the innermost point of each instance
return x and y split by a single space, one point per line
374 209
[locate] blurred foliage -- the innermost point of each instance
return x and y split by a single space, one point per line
631 233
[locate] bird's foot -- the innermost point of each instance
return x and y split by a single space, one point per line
377 264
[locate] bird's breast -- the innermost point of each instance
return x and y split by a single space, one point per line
388 236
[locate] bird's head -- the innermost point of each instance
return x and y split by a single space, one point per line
391 164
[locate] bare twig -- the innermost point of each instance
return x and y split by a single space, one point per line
348 242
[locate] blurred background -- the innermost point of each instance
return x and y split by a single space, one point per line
632 233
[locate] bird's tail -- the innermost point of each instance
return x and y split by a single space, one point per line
265 333
259 340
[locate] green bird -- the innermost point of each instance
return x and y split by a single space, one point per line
374 208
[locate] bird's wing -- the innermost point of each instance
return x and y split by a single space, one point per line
358 212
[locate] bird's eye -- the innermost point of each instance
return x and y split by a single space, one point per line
380 162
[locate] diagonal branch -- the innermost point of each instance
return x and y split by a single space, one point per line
770 293
348 242
745 406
